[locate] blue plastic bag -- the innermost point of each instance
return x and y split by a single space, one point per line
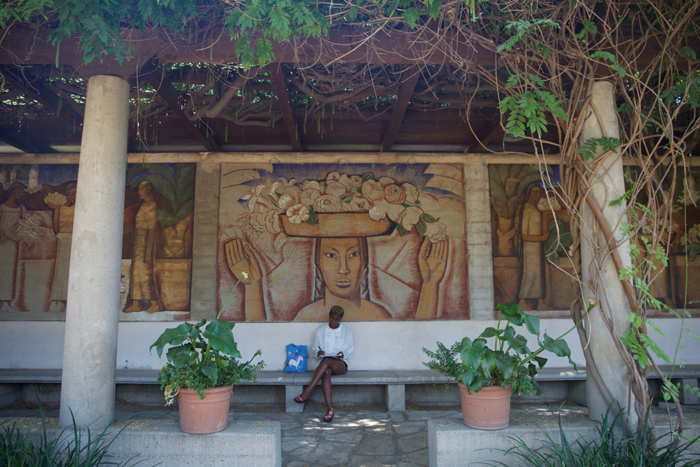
297 356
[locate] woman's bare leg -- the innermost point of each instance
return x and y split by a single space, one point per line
336 366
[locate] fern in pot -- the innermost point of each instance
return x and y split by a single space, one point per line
495 365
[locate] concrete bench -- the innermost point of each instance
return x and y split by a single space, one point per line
394 380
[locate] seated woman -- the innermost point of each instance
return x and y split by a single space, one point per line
333 343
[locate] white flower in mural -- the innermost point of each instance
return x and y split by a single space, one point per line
328 203
336 189
286 201
382 209
373 190
352 183
311 185
301 201
384 181
394 194
333 177
435 231
693 235
409 217
309 195
298 214
411 193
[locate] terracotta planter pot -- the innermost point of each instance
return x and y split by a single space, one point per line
208 415
488 409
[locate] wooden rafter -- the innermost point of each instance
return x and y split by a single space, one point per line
485 136
280 84
35 89
408 85
154 75
23 144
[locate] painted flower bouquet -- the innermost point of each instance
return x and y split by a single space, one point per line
340 193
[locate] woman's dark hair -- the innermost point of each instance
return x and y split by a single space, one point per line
337 310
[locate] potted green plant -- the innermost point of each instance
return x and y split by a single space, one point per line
201 370
489 375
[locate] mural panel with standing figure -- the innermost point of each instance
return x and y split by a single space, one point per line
36 225
382 241
532 236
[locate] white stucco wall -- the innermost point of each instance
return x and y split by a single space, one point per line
378 345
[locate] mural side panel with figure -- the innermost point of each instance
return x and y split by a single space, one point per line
381 241
532 238
37 207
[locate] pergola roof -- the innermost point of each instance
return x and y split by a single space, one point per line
369 91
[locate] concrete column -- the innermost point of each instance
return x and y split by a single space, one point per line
479 246
92 313
205 241
608 185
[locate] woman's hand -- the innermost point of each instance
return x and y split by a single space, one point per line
340 355
321 353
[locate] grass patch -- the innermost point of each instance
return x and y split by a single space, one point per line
610 448
72 448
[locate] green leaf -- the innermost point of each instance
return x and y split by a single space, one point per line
532 323
175 336
688 52
558 347
420 227
411 17
211 370
512 313
182 355
352 14
490 332
220 337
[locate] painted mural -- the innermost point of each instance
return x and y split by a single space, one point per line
37 207
383 241
531 235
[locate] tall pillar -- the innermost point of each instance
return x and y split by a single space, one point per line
608 185
92 313
205 241
479 246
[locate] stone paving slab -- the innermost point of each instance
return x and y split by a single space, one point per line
355 437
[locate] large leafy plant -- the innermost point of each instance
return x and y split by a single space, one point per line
509 362
202 357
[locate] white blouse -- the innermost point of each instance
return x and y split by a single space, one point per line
333 341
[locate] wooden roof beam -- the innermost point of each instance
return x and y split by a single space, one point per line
154 75
485 136
23 144
35 89
408 86
280 83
